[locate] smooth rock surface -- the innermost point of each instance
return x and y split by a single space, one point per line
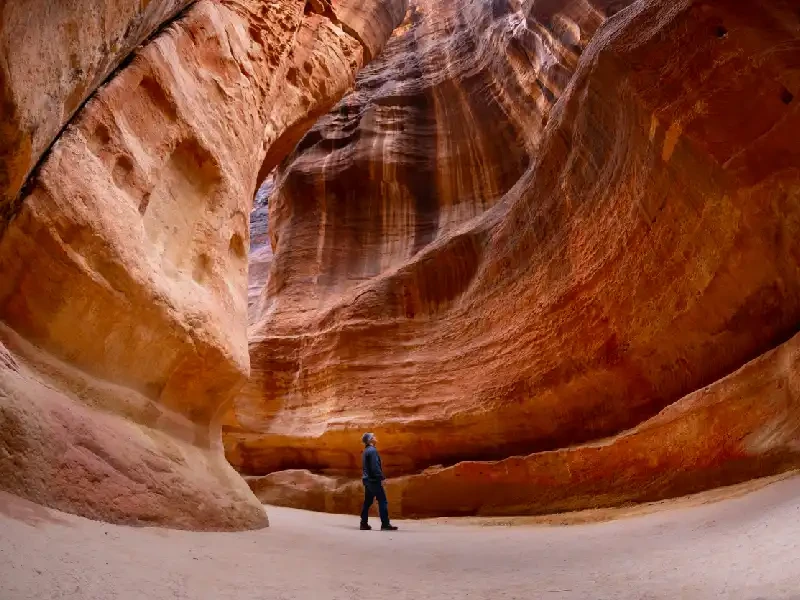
106 452
475 270
439 127
124 288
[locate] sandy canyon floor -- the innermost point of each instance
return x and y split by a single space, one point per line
746 547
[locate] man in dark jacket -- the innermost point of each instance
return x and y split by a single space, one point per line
373 484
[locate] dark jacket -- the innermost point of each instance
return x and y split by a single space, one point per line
371 465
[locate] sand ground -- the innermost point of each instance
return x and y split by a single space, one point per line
745 548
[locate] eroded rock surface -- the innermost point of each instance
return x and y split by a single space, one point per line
740 427
511 241
55 55
124 288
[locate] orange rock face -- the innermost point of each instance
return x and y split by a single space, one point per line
516 246
743 426
123 293
55 55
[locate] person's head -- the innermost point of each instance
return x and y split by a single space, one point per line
369 439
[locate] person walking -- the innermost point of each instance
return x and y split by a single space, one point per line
373 484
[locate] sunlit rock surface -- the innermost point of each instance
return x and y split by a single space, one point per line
55 55
528 231
123 296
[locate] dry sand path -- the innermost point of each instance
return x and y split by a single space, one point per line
745 548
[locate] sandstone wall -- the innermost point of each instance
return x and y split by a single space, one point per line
510 241
741 427
123 299
55 55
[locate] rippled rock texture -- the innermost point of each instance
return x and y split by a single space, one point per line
123 297
538 235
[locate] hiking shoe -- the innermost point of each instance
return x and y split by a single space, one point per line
388 528
365 527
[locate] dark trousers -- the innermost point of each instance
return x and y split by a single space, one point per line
374 490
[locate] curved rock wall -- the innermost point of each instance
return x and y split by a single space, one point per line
741 427
439 128
123 299
508 243
55 55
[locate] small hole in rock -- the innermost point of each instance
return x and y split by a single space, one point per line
124 164
721 32
786 96
154 90
237 245
143 204
122 173
99 139
202 267
102 134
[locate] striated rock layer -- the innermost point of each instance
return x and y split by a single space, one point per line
123 298
740 427
507 242
438 129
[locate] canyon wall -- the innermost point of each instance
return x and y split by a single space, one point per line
260 255
55 55
547 252
123 297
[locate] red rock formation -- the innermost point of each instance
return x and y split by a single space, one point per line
55 55
123 297
740 427
473 286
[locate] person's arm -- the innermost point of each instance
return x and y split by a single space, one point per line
378 470
374 463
